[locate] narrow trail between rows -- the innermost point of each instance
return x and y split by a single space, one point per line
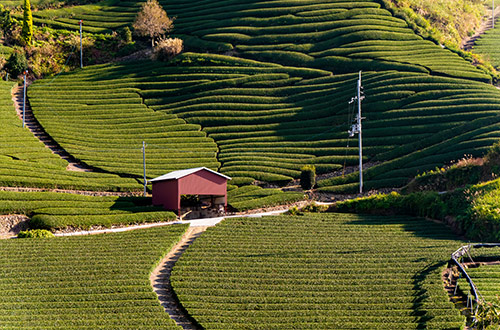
160 280
34 126
486 25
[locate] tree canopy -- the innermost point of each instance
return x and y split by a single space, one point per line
27 31
152 21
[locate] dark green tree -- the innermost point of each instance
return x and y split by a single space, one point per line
308 177
6 21
16 64
27 31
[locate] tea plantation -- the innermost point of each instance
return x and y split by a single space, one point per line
50 210
263 121
319 271
25 161
87 282
261 89
487 45
485 273
486 279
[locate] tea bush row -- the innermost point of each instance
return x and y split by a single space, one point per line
58 210
26 162
306 272
46 283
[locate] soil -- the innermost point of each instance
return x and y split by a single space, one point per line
12 224
468 43
39 132
160 280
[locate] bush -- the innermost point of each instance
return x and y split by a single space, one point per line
16 63
35 233
492 159
308 177
125 34
42 221
167 48
314 208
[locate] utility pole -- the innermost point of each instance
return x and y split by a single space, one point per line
144 166
24 98
492 14
81 45
357 129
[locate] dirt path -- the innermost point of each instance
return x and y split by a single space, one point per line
34 126
12 224
160 280
468 43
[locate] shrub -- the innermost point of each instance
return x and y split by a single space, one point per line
314 208
16 63
125 34
492 159
35 233
42 221
167 48
488 315
294 210
308 177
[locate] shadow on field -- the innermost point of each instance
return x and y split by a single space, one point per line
435 236
419 227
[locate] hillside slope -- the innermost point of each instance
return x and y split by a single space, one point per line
264 119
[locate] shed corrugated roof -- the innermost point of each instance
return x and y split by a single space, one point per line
182 173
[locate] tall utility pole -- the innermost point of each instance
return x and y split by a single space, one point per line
357 129
492 14
144 166
81 44
24 97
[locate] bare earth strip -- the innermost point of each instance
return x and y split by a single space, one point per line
12 224
486 24
34 126
160 280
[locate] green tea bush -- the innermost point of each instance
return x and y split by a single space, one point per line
93 281
275 268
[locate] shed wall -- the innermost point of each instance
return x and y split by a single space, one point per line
166 193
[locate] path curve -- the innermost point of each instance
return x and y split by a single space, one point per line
160 280
486 24
39 132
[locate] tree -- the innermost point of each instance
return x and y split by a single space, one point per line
16 63
152 21
308 177
6 21
27 31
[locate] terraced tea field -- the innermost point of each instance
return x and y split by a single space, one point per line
318 271
104 124
86 282
50 210
487 280
25 161
488 45
339 36
262 121
485 273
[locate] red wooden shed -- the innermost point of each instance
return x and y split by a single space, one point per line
201 181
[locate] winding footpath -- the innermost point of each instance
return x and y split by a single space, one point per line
34 126
160 280
486 25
